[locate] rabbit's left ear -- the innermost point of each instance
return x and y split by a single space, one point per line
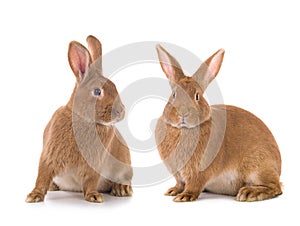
95 49
209 69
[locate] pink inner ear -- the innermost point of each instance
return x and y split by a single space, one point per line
168 70
215 62
81 62
214 67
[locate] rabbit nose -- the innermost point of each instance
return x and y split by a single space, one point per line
119 112
184 115
182 118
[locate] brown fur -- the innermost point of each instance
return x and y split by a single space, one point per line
220 148
82 150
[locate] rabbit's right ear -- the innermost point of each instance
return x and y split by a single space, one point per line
79 59
169 65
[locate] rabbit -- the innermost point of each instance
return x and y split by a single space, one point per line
82 149
221 149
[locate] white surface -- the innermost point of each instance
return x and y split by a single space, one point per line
260 73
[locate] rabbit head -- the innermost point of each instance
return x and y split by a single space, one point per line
95 98
186 106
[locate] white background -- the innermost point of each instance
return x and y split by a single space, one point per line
260 73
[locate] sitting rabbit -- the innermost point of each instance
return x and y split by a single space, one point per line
82 149
221 149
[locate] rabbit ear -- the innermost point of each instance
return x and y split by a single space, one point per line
209 69
95 47
169 65
79 59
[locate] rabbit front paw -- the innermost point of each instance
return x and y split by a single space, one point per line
185 197
35 197
121 190
173 191
94 197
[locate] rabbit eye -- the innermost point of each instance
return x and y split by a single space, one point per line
197 96
174 95
97 92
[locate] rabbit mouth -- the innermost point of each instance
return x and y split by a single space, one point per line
182 124
106 123
109 123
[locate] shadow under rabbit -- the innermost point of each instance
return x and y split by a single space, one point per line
77 198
